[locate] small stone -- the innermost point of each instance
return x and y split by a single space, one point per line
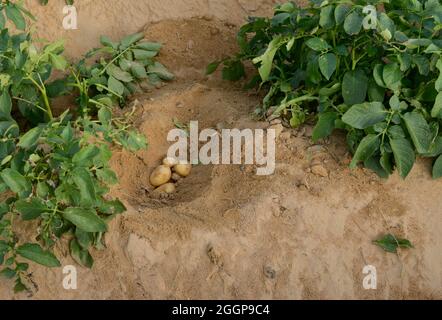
278 129
176 177
275 121
319 170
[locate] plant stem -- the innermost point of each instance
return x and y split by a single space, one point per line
43 92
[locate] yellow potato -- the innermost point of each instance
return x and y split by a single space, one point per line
182 169
166 188
170 162
160 176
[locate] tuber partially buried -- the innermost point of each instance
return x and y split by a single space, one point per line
160 176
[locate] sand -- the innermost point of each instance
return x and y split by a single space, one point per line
227 233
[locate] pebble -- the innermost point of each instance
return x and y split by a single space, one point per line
319 170
278 129
275 121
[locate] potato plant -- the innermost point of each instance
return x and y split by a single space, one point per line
54 169
376 76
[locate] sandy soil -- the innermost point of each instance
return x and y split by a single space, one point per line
228 233
116 18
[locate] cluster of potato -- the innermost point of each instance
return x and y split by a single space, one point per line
164 177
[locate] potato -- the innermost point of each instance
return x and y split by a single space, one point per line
170 162
166 188
160 176
182 169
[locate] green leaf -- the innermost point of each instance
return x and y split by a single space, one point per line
375 92
85 155
107 175
373 163
353 23
107 42
234 70
85 219
437 168
83 180
85 239
131 39
422 63
58 61
160 70
392 76
385 23
211 68
112 207
2 20
354 87
438 84
144 54
436 112
366 149
8 273
138 70
390 243
104 115
318 44
30 210
325 125
419 130
115 85
5 105
341 12
19 286
119 74
81 256
30 138
404 155
266 60
404 61
14 14
378 76
16 182
150 46
35 253
326 18
327 64
135 141
364 115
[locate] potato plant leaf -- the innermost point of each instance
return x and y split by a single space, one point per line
364 115
390 243
85 219
35 253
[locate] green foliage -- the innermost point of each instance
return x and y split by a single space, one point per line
383 85
390 243
54 169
